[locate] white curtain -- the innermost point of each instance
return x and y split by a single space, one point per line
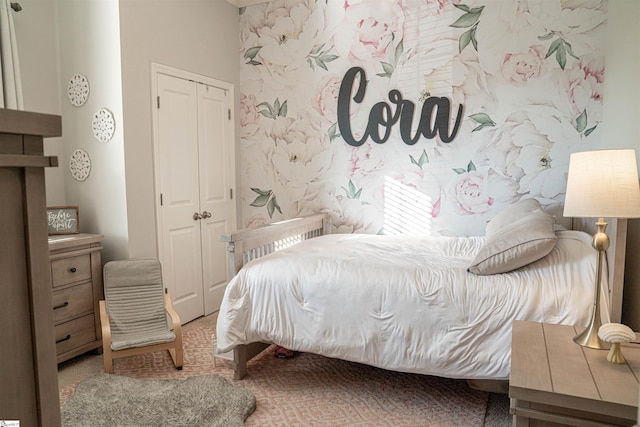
10 81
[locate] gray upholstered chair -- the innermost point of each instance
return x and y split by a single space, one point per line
134 313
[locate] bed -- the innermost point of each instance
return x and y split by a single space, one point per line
408 303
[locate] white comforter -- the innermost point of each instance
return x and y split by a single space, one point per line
403 303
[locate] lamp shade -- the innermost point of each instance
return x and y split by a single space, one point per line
603 184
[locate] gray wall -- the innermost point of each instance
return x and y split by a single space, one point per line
199 36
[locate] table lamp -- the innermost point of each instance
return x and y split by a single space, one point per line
601 184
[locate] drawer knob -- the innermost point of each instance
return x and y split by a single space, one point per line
72 269
56 307
68 337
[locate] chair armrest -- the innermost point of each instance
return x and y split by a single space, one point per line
105 325
175 318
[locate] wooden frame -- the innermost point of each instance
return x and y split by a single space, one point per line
174 347
63 220
246 245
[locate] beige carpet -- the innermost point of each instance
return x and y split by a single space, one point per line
309 390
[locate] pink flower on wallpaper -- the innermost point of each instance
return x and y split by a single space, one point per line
584 87
469 193
325 99
256 221
518 68
268 14
363 161
249 116
369 30
297 153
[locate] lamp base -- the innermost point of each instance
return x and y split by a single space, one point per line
589 337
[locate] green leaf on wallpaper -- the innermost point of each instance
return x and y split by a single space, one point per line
272 112
561 48
422 160
567 45
269 113
251 53
333 132
464 40
468 9
265 198
588 131
398 52
282 111
272 206
581 121
261 192
320 57
388 68
555 45
561 57
260 201
546 36
483 119
474 41
352 192
467 20
470 168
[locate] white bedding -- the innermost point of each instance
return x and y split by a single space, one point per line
403 303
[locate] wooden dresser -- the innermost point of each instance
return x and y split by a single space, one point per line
28 376
76 276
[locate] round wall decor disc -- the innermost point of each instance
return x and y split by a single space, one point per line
80 164
103 125
78 89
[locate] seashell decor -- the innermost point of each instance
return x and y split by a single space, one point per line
615 334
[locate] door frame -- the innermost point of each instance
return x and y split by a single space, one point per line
156 69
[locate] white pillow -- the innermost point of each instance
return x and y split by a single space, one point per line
512 213
519 235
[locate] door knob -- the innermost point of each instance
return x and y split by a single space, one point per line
206 214
196 216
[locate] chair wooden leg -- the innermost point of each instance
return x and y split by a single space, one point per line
108 361
106 338
177 356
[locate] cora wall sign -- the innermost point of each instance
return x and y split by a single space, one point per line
383 116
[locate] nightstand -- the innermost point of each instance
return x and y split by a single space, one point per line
76 279
555 380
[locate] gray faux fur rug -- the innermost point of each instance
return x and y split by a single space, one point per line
112 400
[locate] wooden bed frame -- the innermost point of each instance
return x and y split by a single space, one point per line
246 245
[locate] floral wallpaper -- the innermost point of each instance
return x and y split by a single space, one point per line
527 75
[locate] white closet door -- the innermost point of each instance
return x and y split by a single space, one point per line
180 246
216 180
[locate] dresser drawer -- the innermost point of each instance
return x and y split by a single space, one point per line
75 333
70 270
69 303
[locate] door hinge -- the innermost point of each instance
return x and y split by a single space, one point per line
229 110
231 193
158 101
161 201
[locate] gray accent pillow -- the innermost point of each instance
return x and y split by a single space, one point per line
517 236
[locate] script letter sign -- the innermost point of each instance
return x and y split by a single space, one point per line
62 219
